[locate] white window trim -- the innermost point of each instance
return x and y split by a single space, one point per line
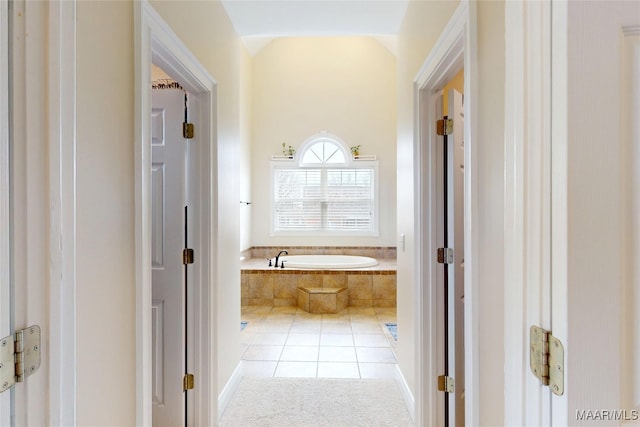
350 163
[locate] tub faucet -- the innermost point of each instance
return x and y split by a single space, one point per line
278 257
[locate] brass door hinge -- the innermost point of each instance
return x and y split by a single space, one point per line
445 256
187 130
445 384
444 126
188 382
19 356
187 256
547 359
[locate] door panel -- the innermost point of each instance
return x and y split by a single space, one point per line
168 198
450 234
456 240
157 215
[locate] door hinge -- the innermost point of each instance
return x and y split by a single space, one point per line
187 256
187 130
445 384
445 256
445 127
19 356
547 359
188 382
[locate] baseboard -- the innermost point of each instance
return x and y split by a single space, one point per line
229 388
406 393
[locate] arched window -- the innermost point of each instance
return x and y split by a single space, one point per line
327 193
324 151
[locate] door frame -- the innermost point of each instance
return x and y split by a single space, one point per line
535 235
57 295
5 246
456 48
156 43
62 219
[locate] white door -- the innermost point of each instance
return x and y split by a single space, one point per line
168 177
450 224
456 241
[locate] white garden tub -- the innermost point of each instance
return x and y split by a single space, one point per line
318 262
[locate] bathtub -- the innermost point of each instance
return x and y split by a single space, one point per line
328 261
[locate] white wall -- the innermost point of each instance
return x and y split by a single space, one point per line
105 215
105 195
421 28
343 85
206 30
246 96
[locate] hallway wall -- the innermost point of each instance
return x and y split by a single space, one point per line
105 215
420 30
105 195
206 30
422 26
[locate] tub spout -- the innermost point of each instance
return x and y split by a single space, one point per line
278 257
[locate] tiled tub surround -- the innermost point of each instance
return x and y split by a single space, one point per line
323 300
377 252
262 285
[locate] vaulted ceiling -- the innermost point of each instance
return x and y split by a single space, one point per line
260 21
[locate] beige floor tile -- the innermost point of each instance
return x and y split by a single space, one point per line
263 352
285 310
269 339
304 328
377 370
275 326
303 339
337 354
303 315
338 370
366 327
362 310
338 340
251 368
281 316
293 353
370 340
375 355
336 327
297 369
342 316
256 309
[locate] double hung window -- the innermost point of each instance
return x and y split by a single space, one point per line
325 193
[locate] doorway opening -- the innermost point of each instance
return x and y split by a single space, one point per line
452 53
157 44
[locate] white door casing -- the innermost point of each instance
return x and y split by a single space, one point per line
39 258
571 194
5 227
455 49
156 42
169 190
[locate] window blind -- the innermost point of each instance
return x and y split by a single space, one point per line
329 199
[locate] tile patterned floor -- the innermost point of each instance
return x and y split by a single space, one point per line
289 342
